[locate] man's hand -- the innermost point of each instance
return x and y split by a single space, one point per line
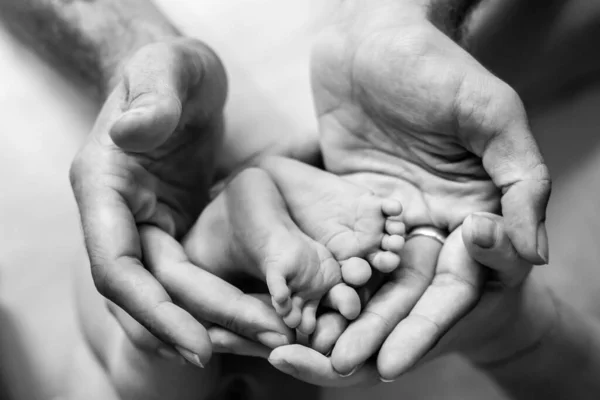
500 326
397 98
149 160
455 137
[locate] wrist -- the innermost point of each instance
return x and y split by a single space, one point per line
531 316
565 362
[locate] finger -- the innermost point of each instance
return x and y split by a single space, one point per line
388 306
495 126
141 338
452 293
486 240
208 297
155 91
113 247
225 341
312 367
330 326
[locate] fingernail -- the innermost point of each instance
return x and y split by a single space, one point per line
191 357
284 366
272 339
542 242
484 231
169 354
386 380
351 372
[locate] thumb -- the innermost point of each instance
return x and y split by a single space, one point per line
157 82
486 241
495 127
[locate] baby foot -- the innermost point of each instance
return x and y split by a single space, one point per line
247 229
349 220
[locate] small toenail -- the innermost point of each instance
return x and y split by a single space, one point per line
386 380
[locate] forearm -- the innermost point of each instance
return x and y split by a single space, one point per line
86 39
563 364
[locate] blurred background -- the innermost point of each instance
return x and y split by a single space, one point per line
548 50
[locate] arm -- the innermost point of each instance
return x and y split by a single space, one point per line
88 40
565 363
531 343
148 160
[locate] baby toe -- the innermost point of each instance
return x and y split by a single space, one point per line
309 318
393 243
344 299
284 308
385 261
395 227
356 271
294 317
391 207
280 292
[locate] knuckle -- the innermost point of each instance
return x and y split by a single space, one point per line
434 325
452 281
380 319
411 272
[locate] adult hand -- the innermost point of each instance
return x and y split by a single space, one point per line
449 139
498 327
452 135
149 160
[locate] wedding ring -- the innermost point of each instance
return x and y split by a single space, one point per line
429 231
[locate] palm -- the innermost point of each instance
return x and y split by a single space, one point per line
182 171
391 93
167 186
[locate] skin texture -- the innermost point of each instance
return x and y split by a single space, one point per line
454 137
86 40
127 137
408 113
522 314
149 160
247 231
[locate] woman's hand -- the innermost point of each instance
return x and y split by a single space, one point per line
149 161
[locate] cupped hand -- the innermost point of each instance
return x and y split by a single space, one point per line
149 160
397 97
486 333
400 102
